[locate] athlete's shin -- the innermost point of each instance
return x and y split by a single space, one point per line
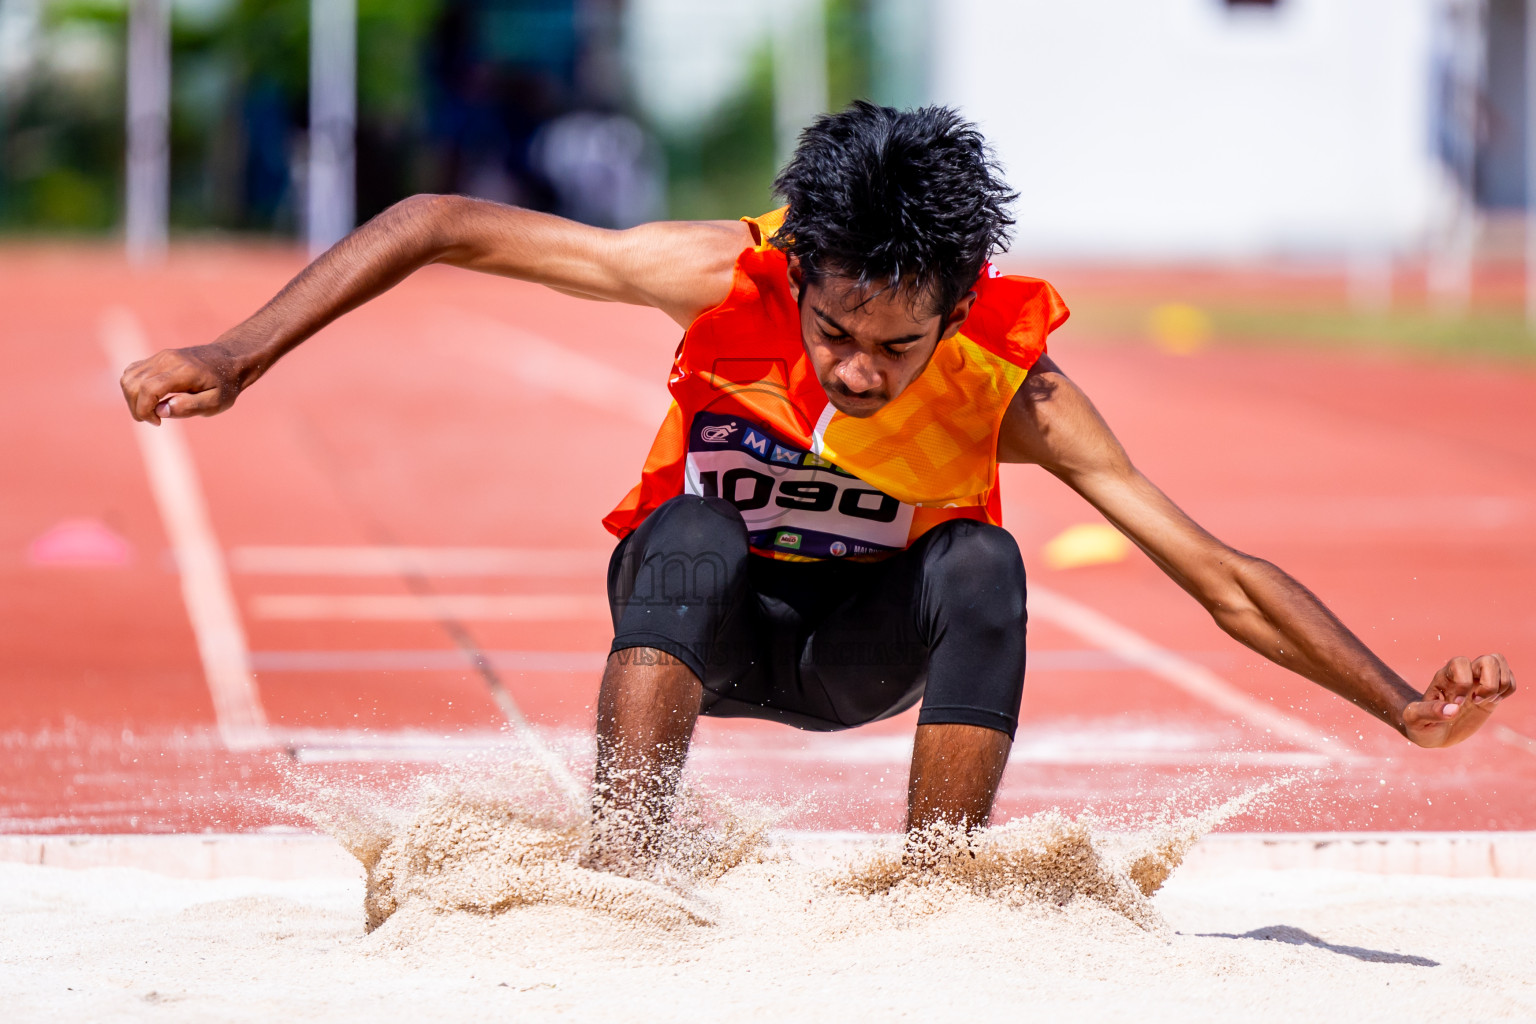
955 772
972 611
645 716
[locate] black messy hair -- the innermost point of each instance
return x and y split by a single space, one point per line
895 199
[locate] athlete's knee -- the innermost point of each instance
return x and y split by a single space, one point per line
974 573
689 522
690 549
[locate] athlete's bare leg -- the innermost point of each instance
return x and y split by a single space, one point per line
955 772
646 711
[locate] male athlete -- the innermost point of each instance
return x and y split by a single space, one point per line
815 538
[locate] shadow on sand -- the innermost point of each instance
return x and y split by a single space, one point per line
1297 937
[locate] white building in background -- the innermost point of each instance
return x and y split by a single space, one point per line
1158 129
1205 128
688 57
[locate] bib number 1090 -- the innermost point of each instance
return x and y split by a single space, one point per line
748 489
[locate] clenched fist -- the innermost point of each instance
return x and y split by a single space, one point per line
177 382
1459 700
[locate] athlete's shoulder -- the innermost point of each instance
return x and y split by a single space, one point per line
754 274
1014 314
686 267
691 241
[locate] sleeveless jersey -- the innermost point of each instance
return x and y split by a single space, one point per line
750 422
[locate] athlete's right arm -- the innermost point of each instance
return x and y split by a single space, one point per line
680 267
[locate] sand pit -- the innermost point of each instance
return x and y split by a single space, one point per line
469 900
122 944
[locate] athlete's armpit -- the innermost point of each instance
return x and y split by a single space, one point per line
1051 423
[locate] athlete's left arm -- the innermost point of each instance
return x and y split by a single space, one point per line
1051 423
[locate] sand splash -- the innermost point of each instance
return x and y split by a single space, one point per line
484 840
1045 859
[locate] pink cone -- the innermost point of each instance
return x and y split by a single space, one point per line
80 542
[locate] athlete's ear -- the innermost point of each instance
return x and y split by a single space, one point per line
957 315
796 278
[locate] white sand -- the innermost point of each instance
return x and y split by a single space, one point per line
121 944
478 906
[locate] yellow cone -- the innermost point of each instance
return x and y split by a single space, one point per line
1086 544
1178 328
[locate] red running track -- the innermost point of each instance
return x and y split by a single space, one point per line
468 413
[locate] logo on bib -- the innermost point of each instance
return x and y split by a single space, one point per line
717 434
782 454
838 548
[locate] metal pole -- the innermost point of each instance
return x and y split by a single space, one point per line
799 70
1451 260
1530 163
149 117
331 206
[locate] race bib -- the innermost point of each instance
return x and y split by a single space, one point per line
793 501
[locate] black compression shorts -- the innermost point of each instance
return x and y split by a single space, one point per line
831 644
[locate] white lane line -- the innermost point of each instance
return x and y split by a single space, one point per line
340 745
200 560
1519 741
430 607
1196 680
451 660
1106 758
541 364
320 746
337 560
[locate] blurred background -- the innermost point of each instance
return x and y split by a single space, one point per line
1378 145
613 111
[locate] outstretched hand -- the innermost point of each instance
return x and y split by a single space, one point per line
1459 700
179 382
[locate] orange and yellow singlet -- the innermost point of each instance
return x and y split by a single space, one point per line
750 423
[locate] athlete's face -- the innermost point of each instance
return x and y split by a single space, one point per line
867 349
